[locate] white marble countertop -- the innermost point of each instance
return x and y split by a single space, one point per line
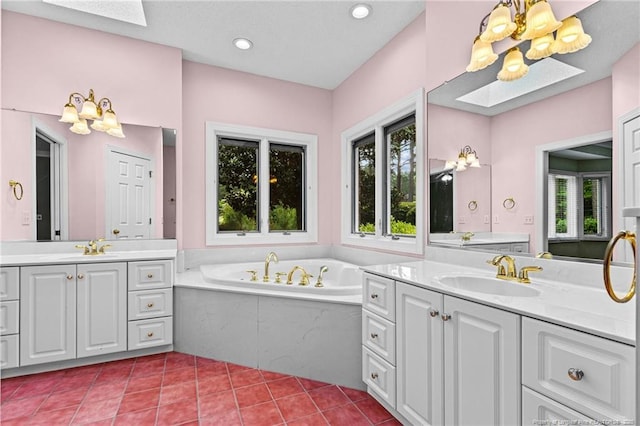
582 308
66 258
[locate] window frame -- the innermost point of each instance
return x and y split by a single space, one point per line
265 136
413 103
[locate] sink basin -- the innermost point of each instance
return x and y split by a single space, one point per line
487 285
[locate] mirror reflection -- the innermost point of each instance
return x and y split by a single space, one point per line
508 134
81 187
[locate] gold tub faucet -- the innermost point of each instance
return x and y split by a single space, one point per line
304 279
270 257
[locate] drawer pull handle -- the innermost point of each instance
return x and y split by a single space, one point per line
150 305
374 335
80 276
434 314
374 376
69 277
445 317
374 295
575 374
150 334
149 275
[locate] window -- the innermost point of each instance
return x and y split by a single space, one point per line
579 206
382 176
261 185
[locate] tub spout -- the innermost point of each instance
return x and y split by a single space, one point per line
323 269
270 257
304 279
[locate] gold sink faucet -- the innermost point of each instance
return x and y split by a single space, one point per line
270 257
510 273
304 279
467 236
91 249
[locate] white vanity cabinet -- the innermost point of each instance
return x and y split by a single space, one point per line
566 372
71 311
456 362
9 317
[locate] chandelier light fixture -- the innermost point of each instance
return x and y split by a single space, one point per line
101 112
533 20
466 158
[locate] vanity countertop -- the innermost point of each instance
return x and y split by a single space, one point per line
583 308
67 258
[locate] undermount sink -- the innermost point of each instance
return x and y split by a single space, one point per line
487 285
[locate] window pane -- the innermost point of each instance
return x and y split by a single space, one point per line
237 185
592 204
401 140
286 188
563 206
364 185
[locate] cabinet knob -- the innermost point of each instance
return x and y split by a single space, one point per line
150 334
445 317
80 276
149 275
374 335
374 376
150 305
374 295
69 277
434 313
575 374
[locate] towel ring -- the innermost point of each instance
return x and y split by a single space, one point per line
15 184
608 254
473 205
509 203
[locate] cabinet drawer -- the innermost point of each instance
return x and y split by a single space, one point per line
540 410
552 354
379 296
151 274
9 314
150 303
9 283
379 335
9 346
379 376
150 332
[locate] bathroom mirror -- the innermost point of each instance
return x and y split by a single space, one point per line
80 187
506 133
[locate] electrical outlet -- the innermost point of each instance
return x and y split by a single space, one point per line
26 217
528 220
486 219
496 219
462 220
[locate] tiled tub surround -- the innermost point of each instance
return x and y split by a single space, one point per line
176 388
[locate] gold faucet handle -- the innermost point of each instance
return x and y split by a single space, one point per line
106 246
523 276
501 271
279 276
254 275
304 279
84 248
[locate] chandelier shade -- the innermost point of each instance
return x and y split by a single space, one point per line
541 47
482 55
500 24
540 21
513 66
571 36
80 127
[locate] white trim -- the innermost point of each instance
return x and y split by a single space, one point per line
310 141
542 169
414 102
621 176
109 174
36 125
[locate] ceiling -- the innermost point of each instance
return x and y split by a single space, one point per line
312 42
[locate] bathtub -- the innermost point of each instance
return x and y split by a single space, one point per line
341 279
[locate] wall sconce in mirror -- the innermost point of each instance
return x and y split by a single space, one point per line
466 158
534 20
101 112
16 186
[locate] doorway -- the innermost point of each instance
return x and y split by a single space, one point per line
50 177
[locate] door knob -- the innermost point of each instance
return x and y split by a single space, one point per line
115 231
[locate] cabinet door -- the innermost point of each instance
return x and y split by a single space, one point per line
482 359
47 313
102 308
419 354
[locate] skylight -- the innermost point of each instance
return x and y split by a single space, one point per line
543 73
130 11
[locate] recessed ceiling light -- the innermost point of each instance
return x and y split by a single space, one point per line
243 43
360 11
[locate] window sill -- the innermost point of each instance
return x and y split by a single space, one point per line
233 239
401 245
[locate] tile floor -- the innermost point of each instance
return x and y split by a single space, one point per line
176 388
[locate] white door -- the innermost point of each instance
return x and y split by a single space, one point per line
128 191
631 171
47 313
102 308
419 355
481 365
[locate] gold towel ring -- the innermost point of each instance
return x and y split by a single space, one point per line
608 254
509 203
473 205
15 184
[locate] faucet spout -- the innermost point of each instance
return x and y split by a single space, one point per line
304 279
271 257
510 273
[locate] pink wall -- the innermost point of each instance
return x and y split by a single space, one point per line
232 97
